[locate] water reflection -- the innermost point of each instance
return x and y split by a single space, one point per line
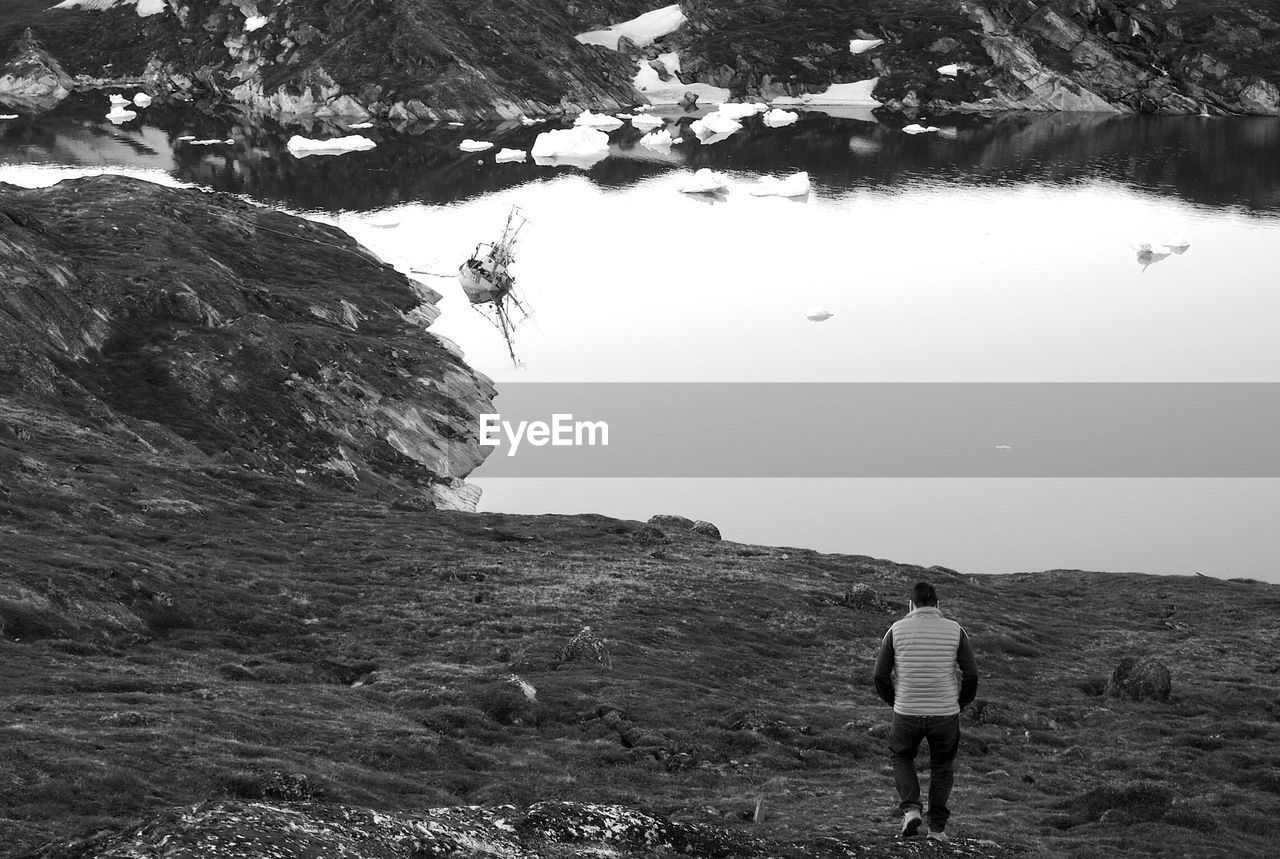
1216 162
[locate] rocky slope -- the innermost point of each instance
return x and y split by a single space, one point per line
427 60
200 332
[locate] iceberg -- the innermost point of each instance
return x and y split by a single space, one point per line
861 46
714 124
576 147
119 114
657 140
777 118
469 145
510 155
5 117
142 100
705 181
741 110
643 30
644 122
602 121
818 314
301 147
917 128
117 100
795 185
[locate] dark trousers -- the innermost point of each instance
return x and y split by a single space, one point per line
943 734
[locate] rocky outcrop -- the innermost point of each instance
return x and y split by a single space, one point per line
212 333
248 830
31 79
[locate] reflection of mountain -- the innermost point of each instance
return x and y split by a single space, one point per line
1217 162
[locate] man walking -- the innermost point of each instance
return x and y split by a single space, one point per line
924 649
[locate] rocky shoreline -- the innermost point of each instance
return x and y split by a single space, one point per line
300 60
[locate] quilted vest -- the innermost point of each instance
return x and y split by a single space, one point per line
924 657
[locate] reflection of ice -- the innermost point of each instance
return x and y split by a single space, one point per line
1150 252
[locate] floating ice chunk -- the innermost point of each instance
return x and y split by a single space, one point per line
186 137
512 155
5 117
301 147
917 128
524 120
255 22
818 314
741 110
576 147
950 70
659 141
861 46
211 142
142 100
456 124
360 125
795 185
469 145
714 124
777 118
117 100
602 121
645 122
120 113
705 181
642 30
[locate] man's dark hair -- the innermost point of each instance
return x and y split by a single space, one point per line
923 594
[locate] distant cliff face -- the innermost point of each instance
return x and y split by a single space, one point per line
432 60
193 331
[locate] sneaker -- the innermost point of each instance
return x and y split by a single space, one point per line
939 836
911 823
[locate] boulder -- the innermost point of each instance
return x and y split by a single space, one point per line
1140 679
706 529
689 101
667 520
31 79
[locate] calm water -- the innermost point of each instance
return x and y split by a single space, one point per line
999 250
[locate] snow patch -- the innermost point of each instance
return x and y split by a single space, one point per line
144 8
643 30
255 22
301 147
511 155
950 70
469 145
741 110
659 91
856 93
861 46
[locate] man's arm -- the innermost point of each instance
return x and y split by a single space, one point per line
884 669
968 670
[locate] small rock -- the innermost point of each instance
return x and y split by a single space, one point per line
945 45
689 101
1140 679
